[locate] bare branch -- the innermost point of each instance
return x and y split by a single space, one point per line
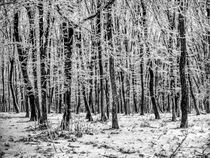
98 11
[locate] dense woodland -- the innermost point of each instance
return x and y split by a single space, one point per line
105 57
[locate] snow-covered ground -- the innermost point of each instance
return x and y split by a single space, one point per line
138 136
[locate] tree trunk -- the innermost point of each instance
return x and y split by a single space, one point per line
171 19
32 40
78 99
23 58
87 107
3 87
107 97
11 86
123 92
112 72
207 64
98 31
93 58
182 64
68 33
134 91
152 95
191 90
43 58
88 116
144 12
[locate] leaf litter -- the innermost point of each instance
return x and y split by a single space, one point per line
138 136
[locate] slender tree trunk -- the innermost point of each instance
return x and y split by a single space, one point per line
91 87
68 33
207 65
142 86
107 97
23 58
43 58
112 72
123 92
11 86
87 107
32 40
144 12
98 31
78 91
151 73
78 99
152 95
3 86
60 104
182 64
96 91
134 91
193 96
8 90
93 57
171 19
88 116
128 93
114 93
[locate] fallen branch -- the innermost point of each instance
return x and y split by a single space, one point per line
178 147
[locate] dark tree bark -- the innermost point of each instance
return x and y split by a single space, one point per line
123 92
23 58
3 86
191 90
207 64
32 41
112 72
68 33
96 92
151 72
142 86
26 105
171 19
182 65
43 57
87 107
60 103
128 93
12 61
151 89
98 32
193 96
134 92
78 99
144 14
93 58
9 104
107 97
78 92
114 93
91 86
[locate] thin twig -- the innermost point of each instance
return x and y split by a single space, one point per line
178 147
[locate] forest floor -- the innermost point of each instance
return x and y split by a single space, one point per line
138 136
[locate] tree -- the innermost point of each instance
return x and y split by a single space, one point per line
207 64
12 61
32 41
23 58
150 64
68 33
43 57
182 64
112 70
98 31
